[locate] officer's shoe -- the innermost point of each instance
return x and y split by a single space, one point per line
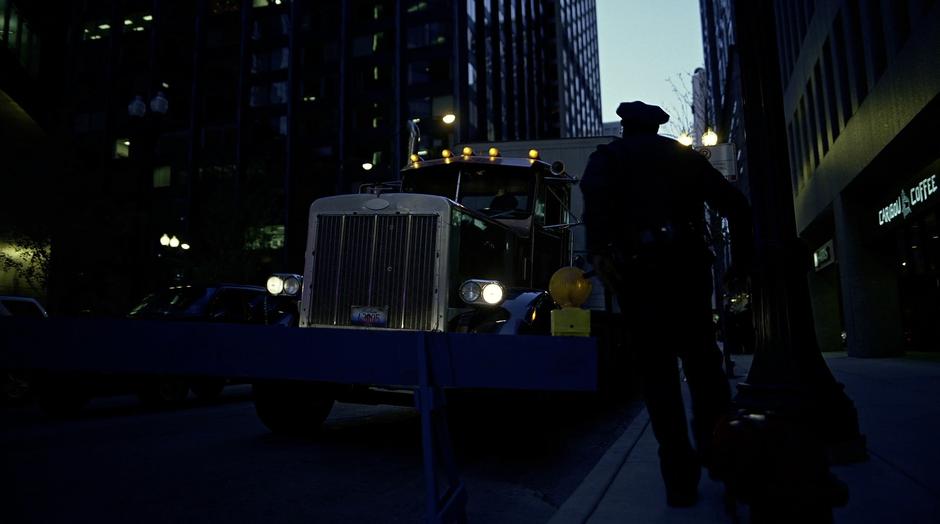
681 498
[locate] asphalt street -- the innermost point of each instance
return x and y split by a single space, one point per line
118 462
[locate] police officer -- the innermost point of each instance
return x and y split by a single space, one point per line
644 198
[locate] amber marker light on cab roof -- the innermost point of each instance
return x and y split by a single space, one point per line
467 151
534 154
493 151
446 153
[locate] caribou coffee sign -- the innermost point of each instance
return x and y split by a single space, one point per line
908 199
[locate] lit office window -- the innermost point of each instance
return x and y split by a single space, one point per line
122 148
3 16
417 7
13 28
162 176
96 30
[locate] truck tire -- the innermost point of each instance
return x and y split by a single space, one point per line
292 408
61 397
207 389
164 392
16 388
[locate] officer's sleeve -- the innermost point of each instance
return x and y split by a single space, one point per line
597 187
730 203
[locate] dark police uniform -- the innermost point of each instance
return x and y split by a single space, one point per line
644 199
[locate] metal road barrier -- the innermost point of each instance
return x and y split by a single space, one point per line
425 361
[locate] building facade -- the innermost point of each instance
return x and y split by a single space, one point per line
578 67
717 90
860 82
212 125
858 85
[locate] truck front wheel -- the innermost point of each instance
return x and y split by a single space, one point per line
292 408
61 396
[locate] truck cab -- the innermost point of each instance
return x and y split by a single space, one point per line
420 258
466 243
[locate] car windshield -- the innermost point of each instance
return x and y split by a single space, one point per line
181 302
22 308
497 191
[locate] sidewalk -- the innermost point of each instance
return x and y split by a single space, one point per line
898 403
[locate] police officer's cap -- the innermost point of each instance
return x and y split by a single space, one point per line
640 113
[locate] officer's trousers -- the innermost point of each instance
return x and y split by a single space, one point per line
669 318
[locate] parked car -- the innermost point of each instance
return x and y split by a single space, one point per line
15 384
229 303
64 394
232 303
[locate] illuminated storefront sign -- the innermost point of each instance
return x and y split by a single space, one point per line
904 204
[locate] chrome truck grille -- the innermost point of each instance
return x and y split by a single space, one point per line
374 260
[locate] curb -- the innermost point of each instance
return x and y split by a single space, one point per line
579 507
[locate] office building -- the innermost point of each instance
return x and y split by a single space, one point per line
858 83
213 124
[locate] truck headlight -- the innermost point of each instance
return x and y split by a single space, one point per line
493 293
287 284
482 292
275 285
470 292
292 285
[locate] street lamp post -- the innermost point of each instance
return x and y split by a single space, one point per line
788 371
172 249
145 129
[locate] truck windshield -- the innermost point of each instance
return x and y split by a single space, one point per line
497 191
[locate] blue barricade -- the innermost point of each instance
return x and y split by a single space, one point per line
352 356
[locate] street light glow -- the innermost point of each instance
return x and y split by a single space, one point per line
184 247
449 118
165 240
367 166
685 139
710 138
174 242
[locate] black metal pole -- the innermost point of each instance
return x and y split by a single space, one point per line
397 118
241 110
195 116
788 371
294 74
343 58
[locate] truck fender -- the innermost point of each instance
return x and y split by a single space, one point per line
523 312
